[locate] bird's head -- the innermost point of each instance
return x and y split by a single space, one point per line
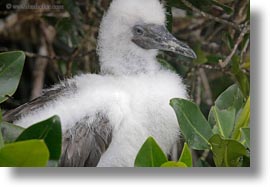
135 30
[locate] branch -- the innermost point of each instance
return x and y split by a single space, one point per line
224 63
70 62
209 16
39 71
206 85
35 55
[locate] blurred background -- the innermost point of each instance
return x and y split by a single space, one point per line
59 40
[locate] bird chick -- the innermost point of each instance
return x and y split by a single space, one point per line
107 117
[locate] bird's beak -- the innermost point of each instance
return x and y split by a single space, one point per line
158 37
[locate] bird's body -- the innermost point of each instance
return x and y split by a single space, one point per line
136 106
109 116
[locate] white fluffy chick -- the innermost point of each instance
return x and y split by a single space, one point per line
106 118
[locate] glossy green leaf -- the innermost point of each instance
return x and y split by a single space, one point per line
227 152
10 131
31 153
186 156
150 155
50 131
172 164
11 66
232 97
242 121
223 120
246 135
193 124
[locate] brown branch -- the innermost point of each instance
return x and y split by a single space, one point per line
224 63
70 62
198 91
39 71
35 55
209 16
206 85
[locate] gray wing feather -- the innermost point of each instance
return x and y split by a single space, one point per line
62 89
84 143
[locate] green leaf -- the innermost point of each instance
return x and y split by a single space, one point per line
172 164
241 77
201 55
193 124
228 40
150 155
11 66
246 135
214 58
227 152
50 131
31 153
10 131
232 97
242 121
186 156
223 120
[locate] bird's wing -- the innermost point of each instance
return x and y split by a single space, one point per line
48 96
84 143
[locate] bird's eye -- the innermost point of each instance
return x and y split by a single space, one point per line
138 30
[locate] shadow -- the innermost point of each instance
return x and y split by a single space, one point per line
199 173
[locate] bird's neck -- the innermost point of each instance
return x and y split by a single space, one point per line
127 59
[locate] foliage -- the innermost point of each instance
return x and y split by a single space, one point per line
219 128
227 119
10 71
36 146
151 155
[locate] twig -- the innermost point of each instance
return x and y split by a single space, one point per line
205 66
39 71
70 62
209 16
198 91
205 154
35 55
244 50
207 89
239 40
